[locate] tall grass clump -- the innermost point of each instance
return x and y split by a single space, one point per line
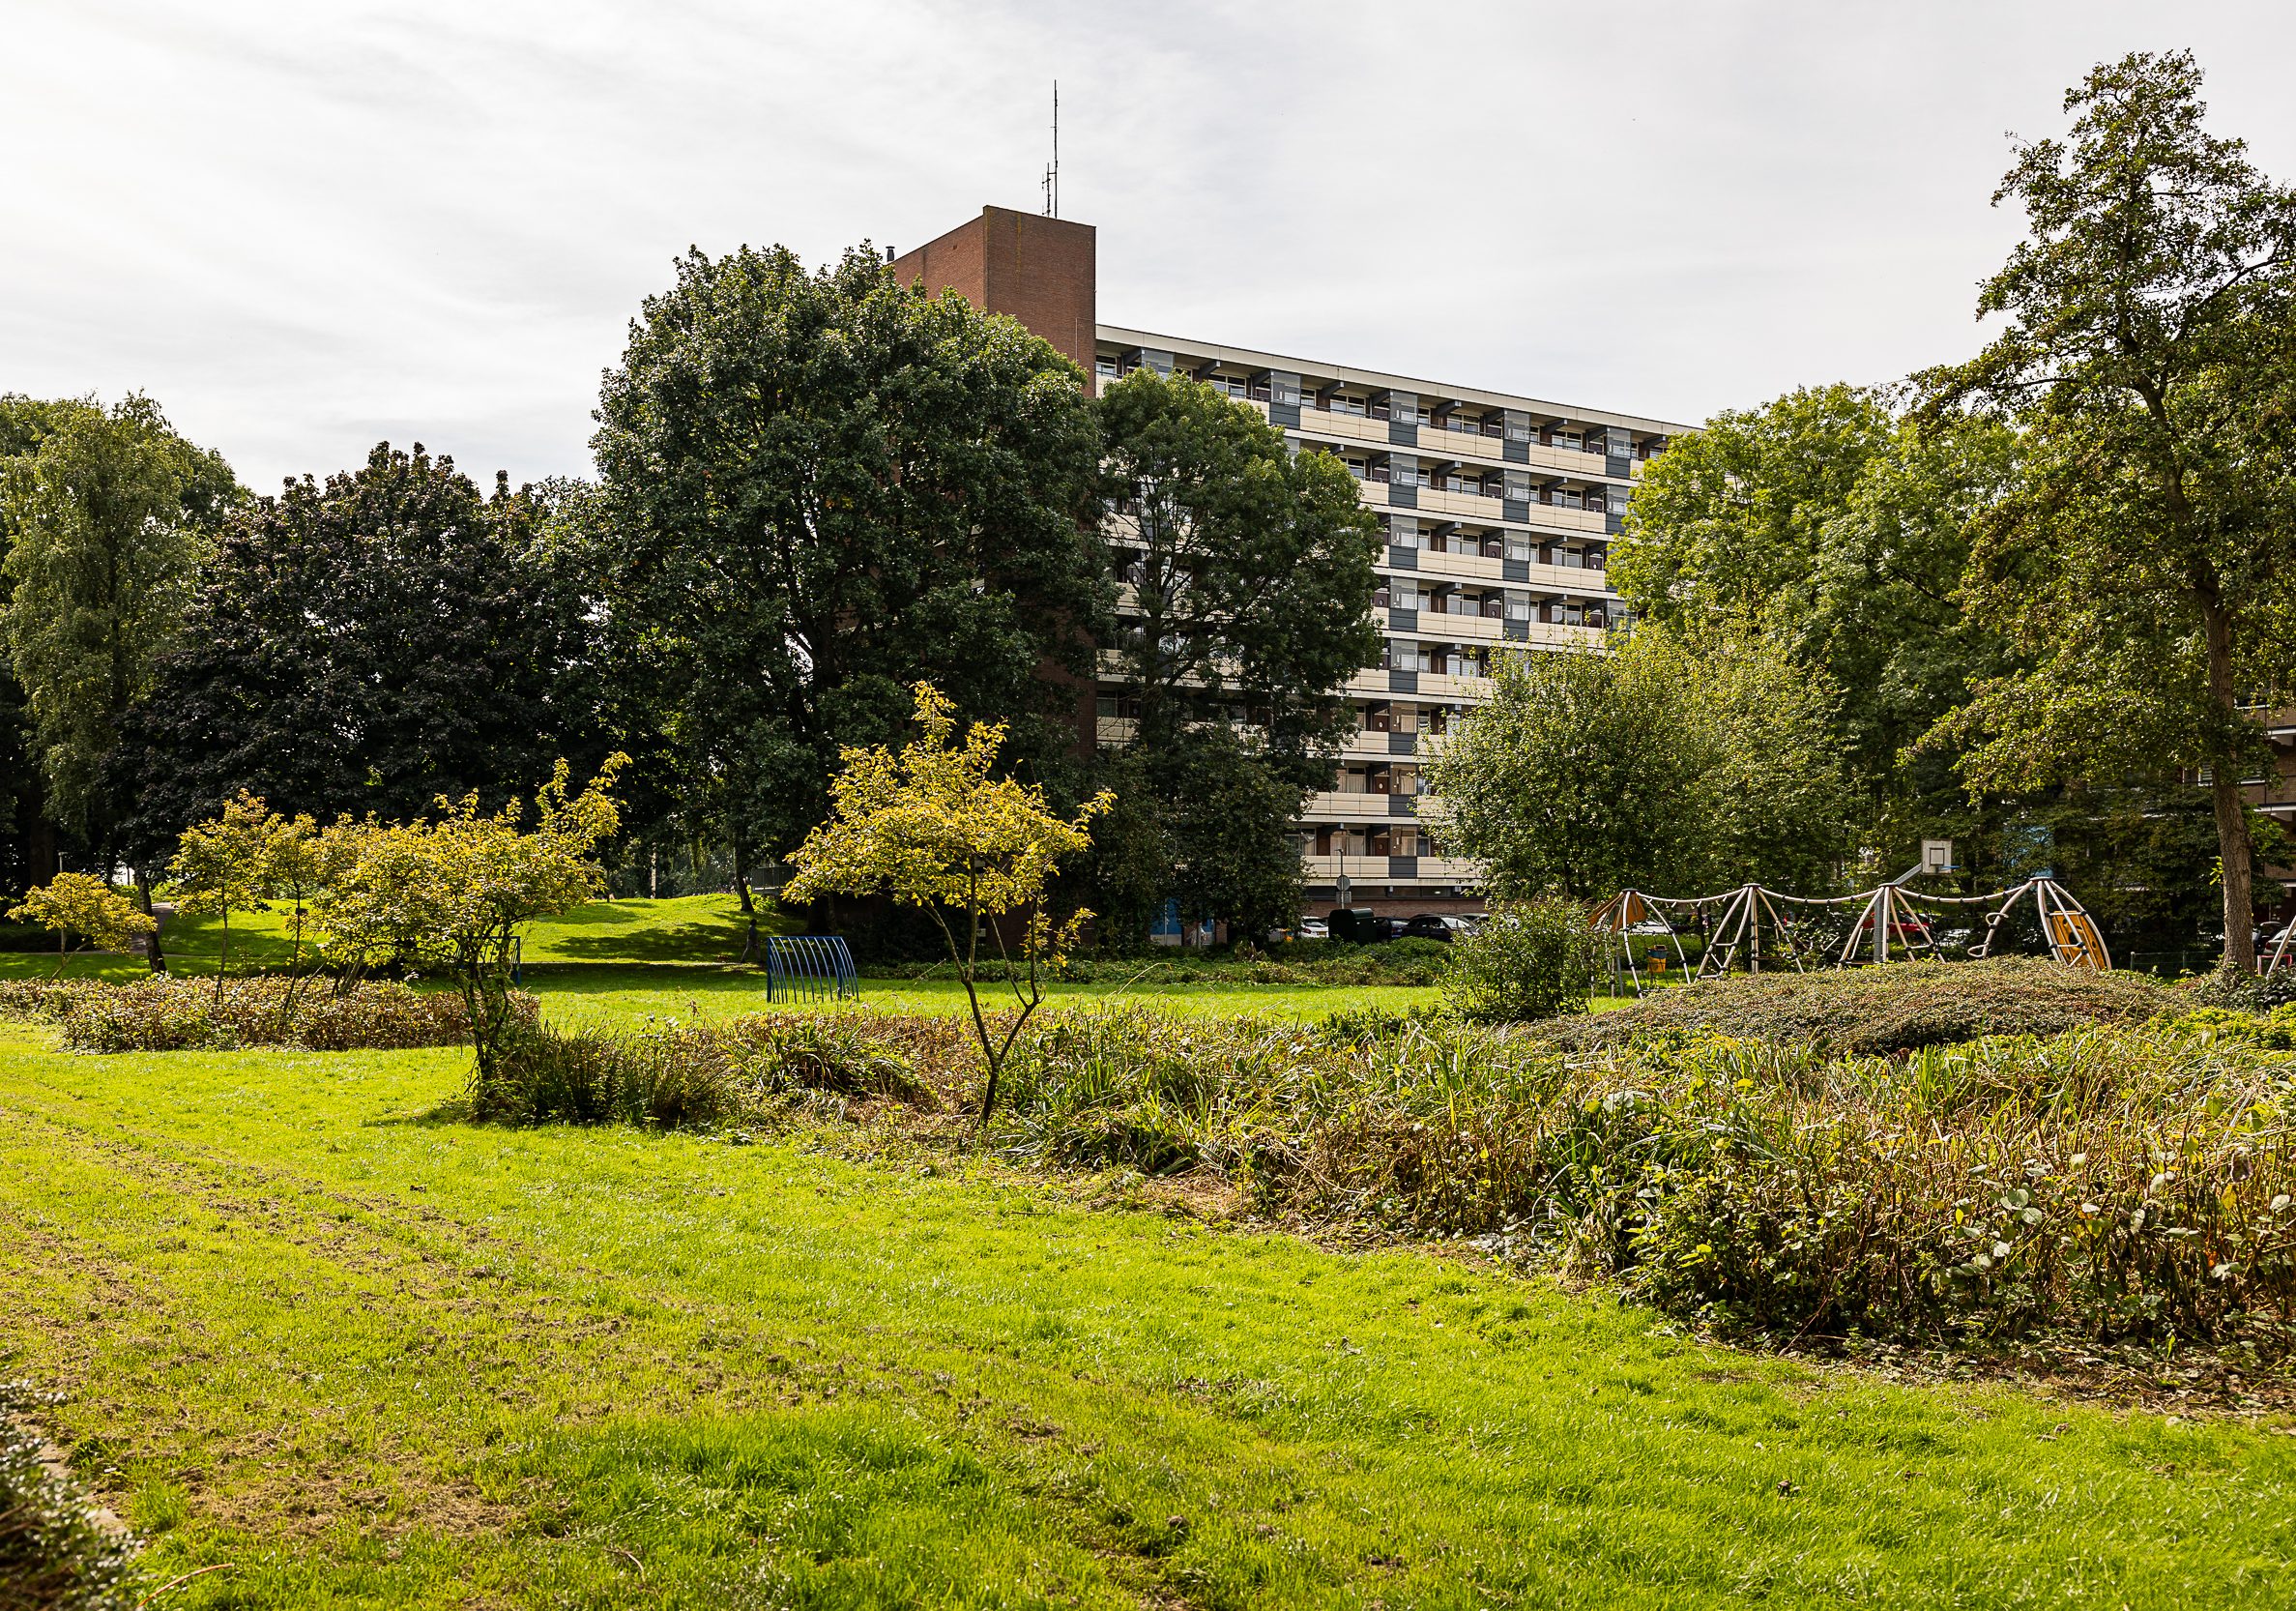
673 1075
1891 1009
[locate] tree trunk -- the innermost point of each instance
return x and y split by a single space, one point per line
152 953
2232 848
742 875
2224 792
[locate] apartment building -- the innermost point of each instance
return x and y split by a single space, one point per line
1500 510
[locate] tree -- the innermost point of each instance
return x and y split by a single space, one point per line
1250 580
455 892
1647 765
1229 816
2146 561
1839 531
83 904
365 645
107 519
221 866
935 829
819 489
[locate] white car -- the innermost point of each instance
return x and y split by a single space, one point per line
1311 928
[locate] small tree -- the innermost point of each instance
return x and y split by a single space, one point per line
932 829
218 866
455 893
83 904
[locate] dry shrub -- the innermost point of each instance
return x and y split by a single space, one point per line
1883 1009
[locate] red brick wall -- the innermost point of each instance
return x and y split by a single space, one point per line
1037 269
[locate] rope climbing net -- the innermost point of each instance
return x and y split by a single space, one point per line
1752 924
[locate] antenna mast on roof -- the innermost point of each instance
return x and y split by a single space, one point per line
1052 174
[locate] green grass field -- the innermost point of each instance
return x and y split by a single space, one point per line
360 1355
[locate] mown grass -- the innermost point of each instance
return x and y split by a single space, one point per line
619 996
367 1357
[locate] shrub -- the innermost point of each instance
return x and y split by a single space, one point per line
55 1553
1890 1009
167 1013
1533 960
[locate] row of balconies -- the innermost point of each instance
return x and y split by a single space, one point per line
1383 870
1334 402
1476 507
1345 428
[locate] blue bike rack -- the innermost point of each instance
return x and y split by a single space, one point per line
809 967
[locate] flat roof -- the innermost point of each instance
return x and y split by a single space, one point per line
1248 358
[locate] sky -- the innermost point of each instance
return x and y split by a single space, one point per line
305 228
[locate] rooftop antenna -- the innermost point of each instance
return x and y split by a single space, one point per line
1052 174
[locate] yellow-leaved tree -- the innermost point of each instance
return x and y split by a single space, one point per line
453 893
83 904
933 828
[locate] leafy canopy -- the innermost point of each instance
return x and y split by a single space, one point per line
106 517
1650 764
83 904
364 644
2146 563
819 488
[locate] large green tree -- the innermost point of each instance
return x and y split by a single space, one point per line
1247 576
367 644
107 515
2145 559
1839 531
1653 764
819 489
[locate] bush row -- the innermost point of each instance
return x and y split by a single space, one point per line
166 1014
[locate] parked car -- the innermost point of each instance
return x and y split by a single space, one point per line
1311 928
1436 925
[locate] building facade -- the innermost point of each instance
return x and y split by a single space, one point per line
1500 510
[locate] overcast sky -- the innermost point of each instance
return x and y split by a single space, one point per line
306 227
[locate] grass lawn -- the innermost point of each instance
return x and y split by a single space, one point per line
627 995
367 1357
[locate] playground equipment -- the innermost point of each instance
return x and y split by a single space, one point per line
1890 923
809 967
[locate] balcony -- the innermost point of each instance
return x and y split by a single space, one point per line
1383 870
1357 806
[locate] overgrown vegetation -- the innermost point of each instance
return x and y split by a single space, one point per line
1880 1009
56 1552
2120 1178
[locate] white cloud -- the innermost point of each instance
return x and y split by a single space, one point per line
306 227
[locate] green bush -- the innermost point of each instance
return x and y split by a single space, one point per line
166 1014
54 1554
1890 1009
1531 961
